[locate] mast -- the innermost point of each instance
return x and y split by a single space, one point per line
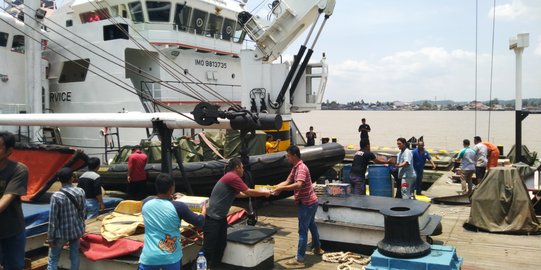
32 63
518 44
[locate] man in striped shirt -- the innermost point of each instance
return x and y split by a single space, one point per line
300 181
66 220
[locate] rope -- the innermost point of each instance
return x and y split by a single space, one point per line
476 57
346 260
491 68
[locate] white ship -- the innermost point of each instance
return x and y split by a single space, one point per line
125 56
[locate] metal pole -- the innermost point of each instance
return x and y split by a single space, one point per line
518 79
518 137
518 44
518 105
164 133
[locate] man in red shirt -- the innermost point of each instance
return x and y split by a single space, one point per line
229 187
300 181
137 176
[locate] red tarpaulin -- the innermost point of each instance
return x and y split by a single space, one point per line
43 161
95 247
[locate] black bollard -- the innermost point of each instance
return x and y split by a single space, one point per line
402 238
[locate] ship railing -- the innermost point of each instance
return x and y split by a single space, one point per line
12 108
214 34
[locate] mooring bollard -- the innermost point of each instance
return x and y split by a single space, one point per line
402 238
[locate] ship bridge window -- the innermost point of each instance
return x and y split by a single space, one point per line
69 23
3 39
119 11
228 29
158 11
18 44
94 16
115 31
199 19
136 12
182 17
214 26
74 71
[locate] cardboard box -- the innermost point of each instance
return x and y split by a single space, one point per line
265 188
337 190
195 203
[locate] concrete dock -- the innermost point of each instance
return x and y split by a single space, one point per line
480 250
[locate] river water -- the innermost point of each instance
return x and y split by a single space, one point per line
440 129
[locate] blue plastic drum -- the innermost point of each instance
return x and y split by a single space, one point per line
379 177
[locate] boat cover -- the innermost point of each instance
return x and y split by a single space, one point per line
501 204
95 247
527 173
529 157
123 221
209 145
36 215
43 161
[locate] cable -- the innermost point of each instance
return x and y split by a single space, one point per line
476 55
491 68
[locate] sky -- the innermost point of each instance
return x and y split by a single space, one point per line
387 50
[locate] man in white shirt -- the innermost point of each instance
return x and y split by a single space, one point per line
481 152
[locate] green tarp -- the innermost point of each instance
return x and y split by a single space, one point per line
528 157
210 145
501 204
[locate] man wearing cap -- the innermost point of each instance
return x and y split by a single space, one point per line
66 220
13 181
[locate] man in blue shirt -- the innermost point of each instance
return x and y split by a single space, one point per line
406 174
162 217
467 166
420 156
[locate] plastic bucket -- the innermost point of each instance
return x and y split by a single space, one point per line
346 169
379 177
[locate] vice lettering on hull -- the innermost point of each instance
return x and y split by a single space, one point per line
60 96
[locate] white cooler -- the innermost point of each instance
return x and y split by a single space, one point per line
249 247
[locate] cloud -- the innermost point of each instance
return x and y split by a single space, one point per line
425 73
518 10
